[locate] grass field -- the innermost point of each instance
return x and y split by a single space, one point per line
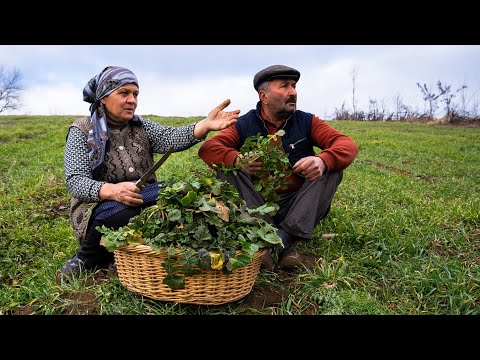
405 218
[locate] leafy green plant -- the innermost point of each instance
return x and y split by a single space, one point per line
275 166
202 223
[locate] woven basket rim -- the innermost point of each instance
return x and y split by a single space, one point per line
146 249
139 270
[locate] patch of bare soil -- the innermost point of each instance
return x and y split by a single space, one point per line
85 303
58 210
23 310
80 303
264 298
77 303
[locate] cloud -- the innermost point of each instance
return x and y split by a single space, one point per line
189 80
60 99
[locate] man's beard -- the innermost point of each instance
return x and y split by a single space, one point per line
286 113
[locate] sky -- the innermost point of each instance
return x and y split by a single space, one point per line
190 80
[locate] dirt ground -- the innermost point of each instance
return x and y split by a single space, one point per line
264 298
259 301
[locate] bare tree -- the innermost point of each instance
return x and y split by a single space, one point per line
447 98
463 100
376 112
10 87
400 109
474 113
372 109
383 110
432 98
342 113
452 107
354 101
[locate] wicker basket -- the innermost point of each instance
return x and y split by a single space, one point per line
139 270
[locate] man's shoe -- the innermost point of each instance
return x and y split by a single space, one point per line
74 266
290 259
267 262
109 269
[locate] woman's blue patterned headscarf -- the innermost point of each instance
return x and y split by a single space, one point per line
100 86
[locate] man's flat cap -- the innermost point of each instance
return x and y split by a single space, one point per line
275 71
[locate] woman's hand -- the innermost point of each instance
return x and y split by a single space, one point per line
217 119
125 192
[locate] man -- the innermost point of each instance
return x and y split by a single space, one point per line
315 177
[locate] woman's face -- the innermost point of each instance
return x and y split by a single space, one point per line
120 105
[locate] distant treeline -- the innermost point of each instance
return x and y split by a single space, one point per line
443 104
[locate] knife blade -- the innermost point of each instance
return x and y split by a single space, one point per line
140 182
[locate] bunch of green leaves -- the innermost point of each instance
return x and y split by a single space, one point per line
202 223
275 165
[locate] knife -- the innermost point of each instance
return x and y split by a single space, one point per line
140 182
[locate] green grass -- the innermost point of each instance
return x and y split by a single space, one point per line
406 217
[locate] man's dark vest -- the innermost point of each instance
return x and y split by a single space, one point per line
296 142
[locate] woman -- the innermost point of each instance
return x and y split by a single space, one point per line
108 151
